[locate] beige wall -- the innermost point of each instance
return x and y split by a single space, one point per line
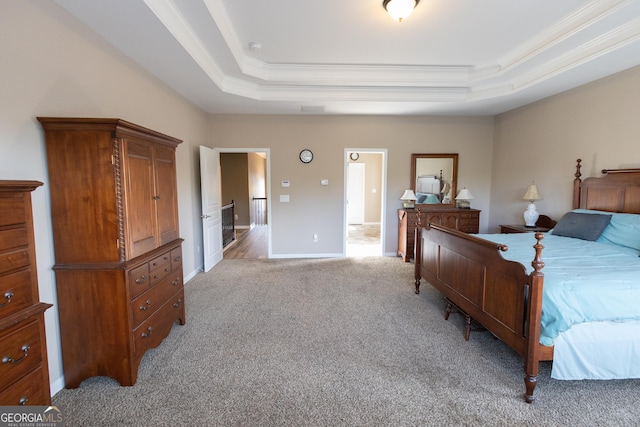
597 123
316 209
234 176
52 65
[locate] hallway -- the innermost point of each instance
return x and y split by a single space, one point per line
362 240
249 244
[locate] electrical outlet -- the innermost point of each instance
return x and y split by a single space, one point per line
315 237
235 216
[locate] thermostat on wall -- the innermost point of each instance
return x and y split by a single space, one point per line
286 183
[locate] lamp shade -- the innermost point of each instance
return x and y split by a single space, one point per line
408 195
464 194
446 188
532 193
399 9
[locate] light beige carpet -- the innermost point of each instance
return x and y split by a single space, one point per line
334 342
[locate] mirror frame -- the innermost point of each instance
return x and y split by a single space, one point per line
454 178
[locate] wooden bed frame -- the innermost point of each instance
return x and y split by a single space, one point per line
499 294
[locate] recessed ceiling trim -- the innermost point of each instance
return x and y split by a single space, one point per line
171 17
600 46
363 75
325 93
583 18
530 63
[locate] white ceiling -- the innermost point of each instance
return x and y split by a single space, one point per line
349 57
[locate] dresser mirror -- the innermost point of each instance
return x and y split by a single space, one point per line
434 178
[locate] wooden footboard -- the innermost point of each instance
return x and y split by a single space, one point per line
495 292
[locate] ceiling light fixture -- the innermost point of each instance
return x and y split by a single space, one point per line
399 9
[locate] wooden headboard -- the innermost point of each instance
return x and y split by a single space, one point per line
618 190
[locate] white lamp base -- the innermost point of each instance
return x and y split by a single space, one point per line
531 215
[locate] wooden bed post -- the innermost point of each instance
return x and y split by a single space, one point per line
533 351
417 245
576 185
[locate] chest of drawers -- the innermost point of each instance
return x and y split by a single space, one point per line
24 372
466 220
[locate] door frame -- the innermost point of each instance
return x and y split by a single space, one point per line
267 151
383 196
360 169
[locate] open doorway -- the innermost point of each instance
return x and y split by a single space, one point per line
365 182
244 187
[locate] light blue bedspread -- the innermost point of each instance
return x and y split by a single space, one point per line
583 281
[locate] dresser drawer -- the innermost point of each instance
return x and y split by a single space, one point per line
159 274
15 292
147 303
12 211
20 352
14 251
176 258
30 390
151 332
468 221
469 214
139 280
160 261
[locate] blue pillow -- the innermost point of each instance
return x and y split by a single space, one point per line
582 225
624 229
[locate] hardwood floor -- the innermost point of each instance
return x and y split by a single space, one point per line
252 244
249 244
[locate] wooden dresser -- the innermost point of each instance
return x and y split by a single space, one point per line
24 370
118 252
467 220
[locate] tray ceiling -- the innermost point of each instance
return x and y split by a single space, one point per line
349 57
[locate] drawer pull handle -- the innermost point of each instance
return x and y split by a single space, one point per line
148 333
178 258
144 307
23 400
177 303
176 282
25 349
141 279
7 295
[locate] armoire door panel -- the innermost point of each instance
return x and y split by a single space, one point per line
141 223
167 194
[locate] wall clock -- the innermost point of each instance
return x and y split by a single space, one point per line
354 156
306 156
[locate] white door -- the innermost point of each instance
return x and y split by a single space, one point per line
211 207
355 193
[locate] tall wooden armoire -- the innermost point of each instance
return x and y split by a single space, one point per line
118 259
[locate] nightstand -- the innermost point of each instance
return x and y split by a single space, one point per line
520 228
